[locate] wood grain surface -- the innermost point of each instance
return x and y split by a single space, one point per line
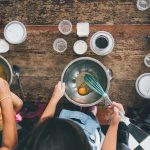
51 12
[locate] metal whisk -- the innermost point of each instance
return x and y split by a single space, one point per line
96 86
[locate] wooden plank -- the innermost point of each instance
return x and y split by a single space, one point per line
94 11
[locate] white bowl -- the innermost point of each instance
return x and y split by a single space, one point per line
4 46
143 85
80 47
102 51
15 32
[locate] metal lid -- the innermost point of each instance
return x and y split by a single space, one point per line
15 32
143 85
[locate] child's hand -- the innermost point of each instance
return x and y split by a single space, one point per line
115 118
59 91
119 106
4 89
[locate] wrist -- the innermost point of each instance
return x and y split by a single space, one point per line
54 100
5 98
114 125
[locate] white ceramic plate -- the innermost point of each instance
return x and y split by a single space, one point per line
15 32
143 85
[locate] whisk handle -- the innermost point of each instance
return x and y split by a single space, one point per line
107 100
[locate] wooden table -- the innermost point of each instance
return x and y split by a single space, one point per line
42 67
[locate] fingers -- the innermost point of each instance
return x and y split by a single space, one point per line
115 117
116 111
118 105
60 85
63 86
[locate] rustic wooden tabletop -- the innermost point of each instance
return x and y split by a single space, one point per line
41 66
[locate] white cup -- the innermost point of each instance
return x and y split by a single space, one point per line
60 45
65 27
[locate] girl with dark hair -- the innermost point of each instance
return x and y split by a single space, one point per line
55 134
73 130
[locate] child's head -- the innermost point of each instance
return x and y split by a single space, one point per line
55 134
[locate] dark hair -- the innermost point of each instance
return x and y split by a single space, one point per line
55 134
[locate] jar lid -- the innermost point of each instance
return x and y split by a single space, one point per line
4 46
80 47
143 85
15 32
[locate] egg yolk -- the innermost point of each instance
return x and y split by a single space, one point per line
82 91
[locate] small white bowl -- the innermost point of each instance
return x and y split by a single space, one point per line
4 46
65 27
15 32
80 47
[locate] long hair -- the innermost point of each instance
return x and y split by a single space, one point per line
55 134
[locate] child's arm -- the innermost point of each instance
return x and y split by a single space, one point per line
51 107
9 135
110 142
17 102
